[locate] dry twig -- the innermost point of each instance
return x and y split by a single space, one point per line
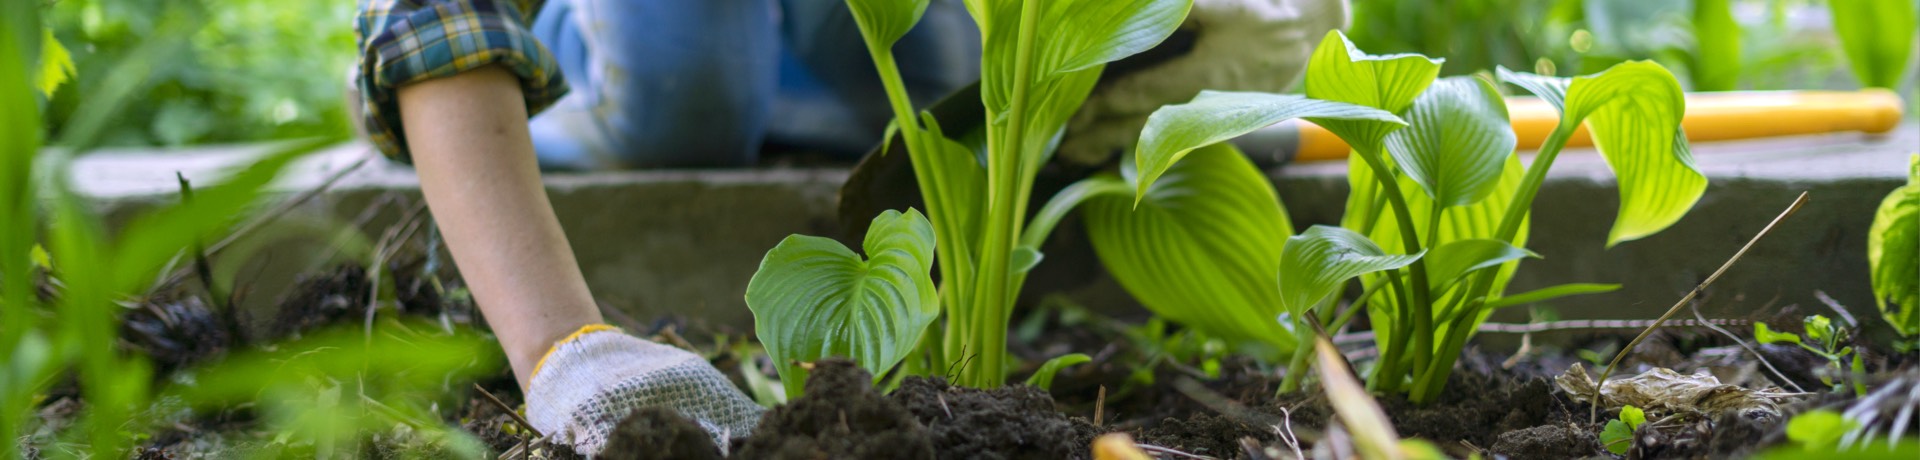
1593 413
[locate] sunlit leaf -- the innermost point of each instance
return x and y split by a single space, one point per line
1456 140
1203 246
883 22
1819 430
56 65
1878 38
1633 111
1216 116
1316 263
1095 32
1551 292
1764 334
1716 54
1043 378
1893 253
1340 71
813 298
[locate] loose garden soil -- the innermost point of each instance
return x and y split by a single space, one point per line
1488 408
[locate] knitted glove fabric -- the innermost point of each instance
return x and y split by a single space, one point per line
594 378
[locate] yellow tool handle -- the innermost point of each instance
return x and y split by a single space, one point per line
1710 116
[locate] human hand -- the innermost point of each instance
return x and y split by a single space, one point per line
1235 45
594 378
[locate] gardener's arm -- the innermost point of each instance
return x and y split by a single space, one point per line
468 136
448 85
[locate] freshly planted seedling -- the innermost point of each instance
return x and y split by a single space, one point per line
814 298
1826 339
1618 436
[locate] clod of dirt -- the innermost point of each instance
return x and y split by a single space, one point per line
1547 441
840 416
1205 434
1474 408
1011 422
331 297
659 433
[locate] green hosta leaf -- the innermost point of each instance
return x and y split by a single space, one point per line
1314 265
1878 38
1633 111
1550 293
1095 32
1765 334
1216 116
883 22
1203 246
1339 71
1043 378
1456 140
1449 262
1893 253
813 298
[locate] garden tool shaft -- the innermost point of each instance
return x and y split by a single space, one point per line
1711 116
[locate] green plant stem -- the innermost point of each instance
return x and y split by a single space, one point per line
989 305
1420 308
953 256
1387 376
1297 366
1429 383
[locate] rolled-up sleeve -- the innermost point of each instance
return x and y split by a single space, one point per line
407 41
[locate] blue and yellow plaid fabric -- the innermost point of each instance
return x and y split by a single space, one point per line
406 41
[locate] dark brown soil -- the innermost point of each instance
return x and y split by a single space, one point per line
840 416
659 433
1547 442
1010 422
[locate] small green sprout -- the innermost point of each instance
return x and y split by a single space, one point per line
1618 435
1823 338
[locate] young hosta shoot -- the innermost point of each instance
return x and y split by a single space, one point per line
813 298
1893 253
1039 61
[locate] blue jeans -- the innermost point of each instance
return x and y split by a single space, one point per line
707 83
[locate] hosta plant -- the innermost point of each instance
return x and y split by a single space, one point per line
1436 220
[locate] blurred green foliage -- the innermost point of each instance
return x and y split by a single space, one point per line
1774 44
254 70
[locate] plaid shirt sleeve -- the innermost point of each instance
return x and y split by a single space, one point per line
407 41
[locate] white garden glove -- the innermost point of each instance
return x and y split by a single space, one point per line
595 377
1239 45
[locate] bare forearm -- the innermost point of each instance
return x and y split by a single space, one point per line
468 137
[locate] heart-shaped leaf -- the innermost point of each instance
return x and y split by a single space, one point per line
1314 264
1201 248
1339 71
1893 253
1633 111
1216 116
1456 140
883 22
813 298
